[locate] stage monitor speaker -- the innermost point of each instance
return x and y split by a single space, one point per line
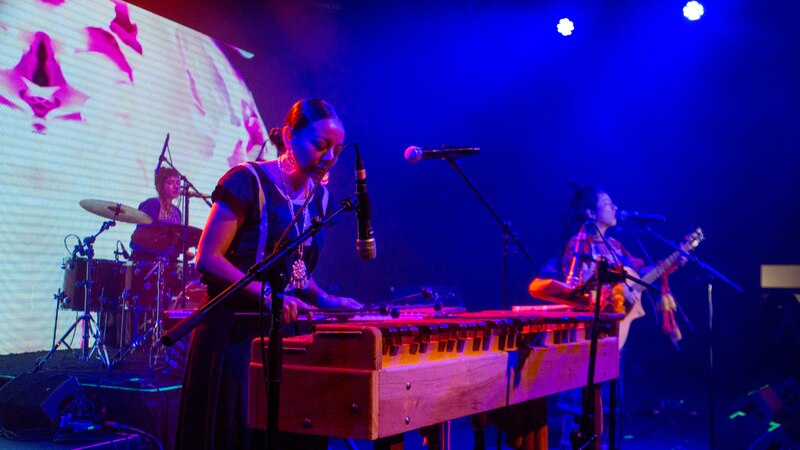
37 400
764 419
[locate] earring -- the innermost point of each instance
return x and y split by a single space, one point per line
287 164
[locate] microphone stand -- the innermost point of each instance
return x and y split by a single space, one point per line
264 271
591 419
509 235
186 185
712 274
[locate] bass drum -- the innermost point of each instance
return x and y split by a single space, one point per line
108 281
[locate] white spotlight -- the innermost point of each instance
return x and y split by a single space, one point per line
565 26
693 10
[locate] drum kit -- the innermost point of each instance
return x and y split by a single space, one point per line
127 297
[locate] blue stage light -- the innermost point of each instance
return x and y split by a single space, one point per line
565 26
693 10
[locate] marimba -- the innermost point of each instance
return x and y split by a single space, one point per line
377 379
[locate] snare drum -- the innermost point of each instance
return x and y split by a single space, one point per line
108 281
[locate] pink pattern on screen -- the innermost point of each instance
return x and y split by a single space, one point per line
101 41
38 82
122 26
252 124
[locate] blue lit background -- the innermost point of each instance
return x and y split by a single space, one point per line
699 121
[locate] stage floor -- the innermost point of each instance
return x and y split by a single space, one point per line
139 396
132 394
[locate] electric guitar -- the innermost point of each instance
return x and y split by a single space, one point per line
633 291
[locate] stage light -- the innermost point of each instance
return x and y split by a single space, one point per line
565 26
693 10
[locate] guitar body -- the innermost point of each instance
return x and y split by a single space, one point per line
633 306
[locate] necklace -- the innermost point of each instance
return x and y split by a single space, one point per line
299 276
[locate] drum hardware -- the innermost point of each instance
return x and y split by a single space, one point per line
167 241
150 288
109 210
59 297
85 248
131 298
189 236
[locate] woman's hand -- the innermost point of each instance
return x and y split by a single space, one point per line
292 306
332 301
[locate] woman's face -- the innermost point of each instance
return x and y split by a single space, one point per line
605 213
313 146
171 188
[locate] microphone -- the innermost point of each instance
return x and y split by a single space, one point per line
365 240
414 154
161 156
640 217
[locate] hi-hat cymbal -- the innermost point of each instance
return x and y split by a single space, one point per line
115 211
161 237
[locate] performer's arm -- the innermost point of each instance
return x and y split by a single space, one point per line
218 234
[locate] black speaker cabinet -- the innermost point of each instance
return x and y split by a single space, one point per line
37 400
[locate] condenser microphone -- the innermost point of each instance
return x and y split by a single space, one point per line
365 240
640 217
414 154
161 156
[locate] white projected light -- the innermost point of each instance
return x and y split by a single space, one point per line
88 92
693 10
565 27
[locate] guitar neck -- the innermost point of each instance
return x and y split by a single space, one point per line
660 268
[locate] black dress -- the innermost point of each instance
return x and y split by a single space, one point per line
213 413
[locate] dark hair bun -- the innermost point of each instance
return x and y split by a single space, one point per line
277 140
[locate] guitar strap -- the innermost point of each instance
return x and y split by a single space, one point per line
668 307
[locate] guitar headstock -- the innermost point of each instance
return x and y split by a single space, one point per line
693 240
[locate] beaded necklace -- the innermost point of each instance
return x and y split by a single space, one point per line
299 277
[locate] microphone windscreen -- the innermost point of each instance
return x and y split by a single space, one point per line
366 249
413 154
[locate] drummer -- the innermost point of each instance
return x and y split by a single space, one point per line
163 211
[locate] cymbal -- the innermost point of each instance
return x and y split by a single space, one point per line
165 236
115 211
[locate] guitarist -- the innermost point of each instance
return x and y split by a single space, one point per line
592 213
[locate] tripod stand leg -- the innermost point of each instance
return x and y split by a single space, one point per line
99 344
89 330
138 341
52 351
